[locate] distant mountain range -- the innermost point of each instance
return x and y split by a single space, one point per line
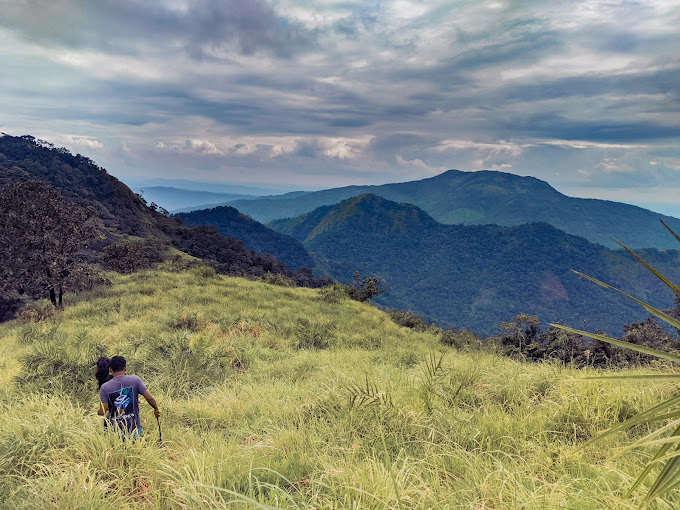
487 197
479 275
474 275
174 199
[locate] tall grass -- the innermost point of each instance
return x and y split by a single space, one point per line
274 397
662 419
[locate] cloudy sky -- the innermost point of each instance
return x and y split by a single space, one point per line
310 94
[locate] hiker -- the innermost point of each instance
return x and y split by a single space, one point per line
120 398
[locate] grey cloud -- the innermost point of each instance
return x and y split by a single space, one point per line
203 30
664 81
524 42
358 77
555 126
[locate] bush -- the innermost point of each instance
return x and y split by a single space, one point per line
62 366
334 293
124 257
463 340
186 362
408 319
314 335
188 321
204 272
278 279
36 311
364 289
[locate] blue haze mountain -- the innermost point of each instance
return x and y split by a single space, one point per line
489 197
172 198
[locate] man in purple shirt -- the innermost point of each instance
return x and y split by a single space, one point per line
120 398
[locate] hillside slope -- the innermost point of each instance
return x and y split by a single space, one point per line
487 197
478 275
276 398
254 235
124 216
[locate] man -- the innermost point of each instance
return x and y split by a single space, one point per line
120 398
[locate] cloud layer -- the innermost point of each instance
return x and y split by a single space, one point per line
583 94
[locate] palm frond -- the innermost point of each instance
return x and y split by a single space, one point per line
621 343
658 313
642 261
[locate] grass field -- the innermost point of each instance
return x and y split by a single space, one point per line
291 398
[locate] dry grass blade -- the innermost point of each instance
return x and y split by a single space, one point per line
652 377
677 238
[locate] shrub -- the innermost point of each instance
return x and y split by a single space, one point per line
278 279
60 366
461 339
314 334
36 311
408 319
186 362
188 321
334 293
124 257
204 272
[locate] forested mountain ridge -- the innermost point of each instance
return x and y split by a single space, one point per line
126 227
479 275
489 197
254 235
79 179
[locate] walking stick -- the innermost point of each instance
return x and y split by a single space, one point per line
160 434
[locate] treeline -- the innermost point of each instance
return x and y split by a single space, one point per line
525 339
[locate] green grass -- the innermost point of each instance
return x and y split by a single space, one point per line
274 397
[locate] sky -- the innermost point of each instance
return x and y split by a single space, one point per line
310 94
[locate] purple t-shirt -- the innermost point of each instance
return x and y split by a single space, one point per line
122 395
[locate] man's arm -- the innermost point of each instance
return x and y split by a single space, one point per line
103 407
152 402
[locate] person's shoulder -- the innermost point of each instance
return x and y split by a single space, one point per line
136 379
106 385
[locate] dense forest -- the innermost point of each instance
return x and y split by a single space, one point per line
479 275
254 235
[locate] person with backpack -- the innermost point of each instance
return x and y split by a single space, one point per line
120 398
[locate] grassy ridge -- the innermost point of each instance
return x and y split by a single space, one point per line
281 397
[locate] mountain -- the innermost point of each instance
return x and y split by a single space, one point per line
124 217
478 275
487 197
178 198
254 235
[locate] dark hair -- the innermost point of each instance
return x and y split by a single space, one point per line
102 373
118 363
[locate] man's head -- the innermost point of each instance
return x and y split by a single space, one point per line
118 364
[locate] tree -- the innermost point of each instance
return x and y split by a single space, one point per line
41 235
364 289
124 257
